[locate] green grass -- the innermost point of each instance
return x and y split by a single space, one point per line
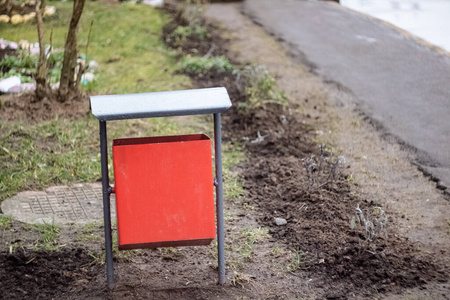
248 239
48 240
5 222
128 35
233 154
181 34
199 65
63 151
92 231
299 261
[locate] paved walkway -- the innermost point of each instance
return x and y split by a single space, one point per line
79 204
400 83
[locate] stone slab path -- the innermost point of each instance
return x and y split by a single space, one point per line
79 204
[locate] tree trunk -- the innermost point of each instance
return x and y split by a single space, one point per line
70 54
41 77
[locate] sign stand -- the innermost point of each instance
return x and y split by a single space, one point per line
164 104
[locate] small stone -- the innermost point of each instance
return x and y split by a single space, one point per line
8 83
3 44
280 221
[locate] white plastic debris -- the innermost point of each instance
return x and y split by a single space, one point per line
87 77
280 221
13 45
3 44
8 83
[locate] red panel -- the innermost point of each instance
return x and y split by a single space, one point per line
164 191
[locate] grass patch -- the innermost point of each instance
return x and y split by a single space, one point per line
48 240
200 65
181 34
54 152
233 154
126 42
248 239
92 231
6 222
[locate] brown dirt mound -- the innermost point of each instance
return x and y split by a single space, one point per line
25 107
44 275
318 219
18 10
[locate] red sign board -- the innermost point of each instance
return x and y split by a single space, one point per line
164 191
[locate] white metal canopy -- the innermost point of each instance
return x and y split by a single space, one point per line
161 104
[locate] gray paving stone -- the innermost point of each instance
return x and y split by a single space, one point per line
79 203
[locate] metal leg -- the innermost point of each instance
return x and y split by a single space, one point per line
219 197
106 204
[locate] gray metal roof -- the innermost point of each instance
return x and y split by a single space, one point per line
161 104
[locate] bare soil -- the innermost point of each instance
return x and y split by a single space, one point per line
18 9
316 255
25 107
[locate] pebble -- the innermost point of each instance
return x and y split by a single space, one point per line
13 45
280 221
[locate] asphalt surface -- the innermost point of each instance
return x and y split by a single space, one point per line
401 83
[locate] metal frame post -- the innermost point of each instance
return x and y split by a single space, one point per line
219 197
161 104
106 204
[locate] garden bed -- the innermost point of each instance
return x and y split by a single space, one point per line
318 217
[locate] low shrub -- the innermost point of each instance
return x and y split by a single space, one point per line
260 88
201 65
